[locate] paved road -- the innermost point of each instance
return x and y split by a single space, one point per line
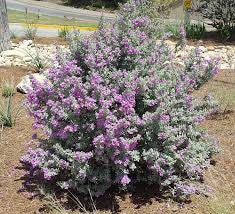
51 9
61 11
19 30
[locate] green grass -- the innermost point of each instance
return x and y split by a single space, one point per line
20 17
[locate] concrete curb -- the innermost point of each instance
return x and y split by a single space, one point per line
61 27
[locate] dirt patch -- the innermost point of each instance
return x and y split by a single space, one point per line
13 144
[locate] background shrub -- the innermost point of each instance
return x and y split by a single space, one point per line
117 110
195 31
114 3
95 3
220 13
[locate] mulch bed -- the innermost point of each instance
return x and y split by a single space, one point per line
13 144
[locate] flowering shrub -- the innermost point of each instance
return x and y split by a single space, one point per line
117 110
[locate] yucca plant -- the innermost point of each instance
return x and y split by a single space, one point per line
8 115
38 61
8 88
63 33
31 28
13 35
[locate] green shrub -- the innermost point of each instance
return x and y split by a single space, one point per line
221 13
95 3
173 28
195 31
113 3
64 32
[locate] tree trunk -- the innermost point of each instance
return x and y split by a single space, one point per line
4 28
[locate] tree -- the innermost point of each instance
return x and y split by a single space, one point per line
4 27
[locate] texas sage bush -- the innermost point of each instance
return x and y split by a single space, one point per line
117 110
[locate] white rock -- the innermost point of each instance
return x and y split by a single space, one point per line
225 66
2 59
211 48
27 59
14 45
25 83
8 63
13 53
26 43
203 49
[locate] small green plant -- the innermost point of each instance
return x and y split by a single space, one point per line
225 102
30 32
64 32
38 62
12 34
31 28
195 31
8 115
8 88
173 28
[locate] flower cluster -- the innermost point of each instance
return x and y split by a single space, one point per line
117 110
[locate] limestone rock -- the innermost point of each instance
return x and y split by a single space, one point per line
25 83
27 59
13 53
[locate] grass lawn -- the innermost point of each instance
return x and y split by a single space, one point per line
20 17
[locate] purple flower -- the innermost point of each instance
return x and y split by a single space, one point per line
125 180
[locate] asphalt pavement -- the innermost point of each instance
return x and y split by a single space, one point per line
51 9
19 30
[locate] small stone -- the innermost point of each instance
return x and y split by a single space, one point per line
26 43
14 45
8 63
25 83
211 48
203 49
224 66
27 59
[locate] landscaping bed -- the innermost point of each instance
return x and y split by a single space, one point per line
125 121
13 144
